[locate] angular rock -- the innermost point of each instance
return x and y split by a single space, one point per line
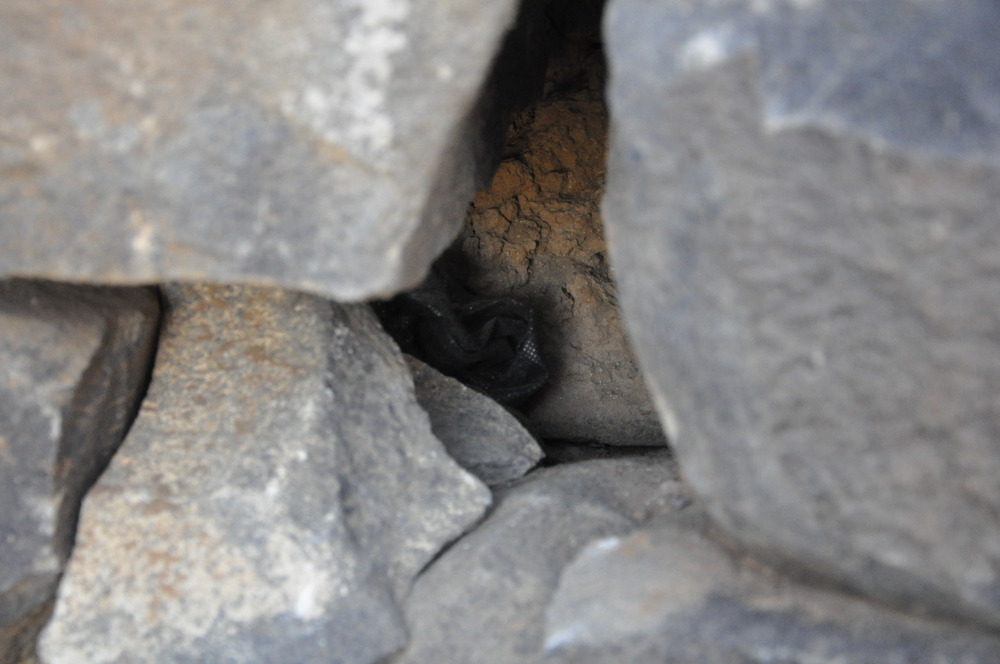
536 234
74 362
278 492
480 434
668 593
329 145
802 209
483 600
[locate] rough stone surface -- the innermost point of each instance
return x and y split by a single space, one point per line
480 434
483 600
74 362
668 593
802 208
277 494
329 145
536 234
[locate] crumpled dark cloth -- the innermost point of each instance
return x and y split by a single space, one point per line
488 343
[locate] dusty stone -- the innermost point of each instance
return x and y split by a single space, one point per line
328 145
483 600
480 434
536 234
73 365
807 253
274 499
668 593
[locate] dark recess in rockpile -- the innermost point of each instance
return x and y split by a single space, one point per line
523 307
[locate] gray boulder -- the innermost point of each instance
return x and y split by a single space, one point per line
480 434
668 593
74 362
276 496
803 203
483 600
328 145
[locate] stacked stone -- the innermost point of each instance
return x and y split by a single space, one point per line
801 212
280 486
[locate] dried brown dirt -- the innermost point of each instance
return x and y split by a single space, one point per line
536 233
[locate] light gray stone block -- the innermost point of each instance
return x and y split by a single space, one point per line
483 600
480 434
276 496
802 210
669 593
327 145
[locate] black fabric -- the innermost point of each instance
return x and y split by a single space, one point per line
487 343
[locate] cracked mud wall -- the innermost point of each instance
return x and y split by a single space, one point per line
536 233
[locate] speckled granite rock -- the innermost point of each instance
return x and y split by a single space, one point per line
480 434
327 145
668 593
273 501
483 600
73 365
802 209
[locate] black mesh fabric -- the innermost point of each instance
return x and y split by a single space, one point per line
487 343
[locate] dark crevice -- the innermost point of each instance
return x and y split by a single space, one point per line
533 242
19 639
561 451
83 471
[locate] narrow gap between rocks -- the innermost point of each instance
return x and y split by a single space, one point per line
530 270
85 475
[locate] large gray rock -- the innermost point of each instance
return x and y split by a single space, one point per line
668 593
74 362
802 207
480 434
277 494
330 145
483 600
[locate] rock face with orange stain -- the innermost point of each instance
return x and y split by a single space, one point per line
275 497
536 234
74 361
